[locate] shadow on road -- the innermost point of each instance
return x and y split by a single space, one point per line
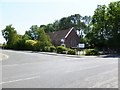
112 56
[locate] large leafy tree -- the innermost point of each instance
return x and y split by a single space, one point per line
97 32
114 25
43 39
39 36
33 32
21 43
56 25
76 21
10 35
104 29
48 28
65 23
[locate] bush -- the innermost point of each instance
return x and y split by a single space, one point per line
91 52
20 45
52 48
4 46
71 52
46 49
30 44
61 49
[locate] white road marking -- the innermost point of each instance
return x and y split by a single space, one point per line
19 80
12 65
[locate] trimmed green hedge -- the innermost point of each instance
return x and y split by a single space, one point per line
64 50
52 48
91 52
71 52
61 49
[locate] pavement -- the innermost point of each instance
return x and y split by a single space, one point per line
48 70
78 56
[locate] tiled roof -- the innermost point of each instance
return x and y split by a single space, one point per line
58 35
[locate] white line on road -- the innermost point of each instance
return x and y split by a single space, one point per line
18 64
19 80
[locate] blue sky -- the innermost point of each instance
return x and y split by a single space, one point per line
22 14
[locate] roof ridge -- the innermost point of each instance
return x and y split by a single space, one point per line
69 32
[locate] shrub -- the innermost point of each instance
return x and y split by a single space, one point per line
71 52
4 46
91 52
52 48
46 49
30 44
61 49
20 45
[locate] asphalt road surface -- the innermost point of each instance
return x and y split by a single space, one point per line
36 70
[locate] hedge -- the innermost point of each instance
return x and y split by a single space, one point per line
91 52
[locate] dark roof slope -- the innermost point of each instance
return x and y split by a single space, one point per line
58 35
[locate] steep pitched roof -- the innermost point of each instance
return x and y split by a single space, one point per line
58 35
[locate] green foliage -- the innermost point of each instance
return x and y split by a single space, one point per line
104 31
33 32
43 39
47 28
52 48
20 45
61 49
1 45
91 52
39 35
71 52
4 46
46 49
37 46
21 42
30 44
64 50
11 36
77 21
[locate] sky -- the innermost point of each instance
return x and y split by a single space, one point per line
22 14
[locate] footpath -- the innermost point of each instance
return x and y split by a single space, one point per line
81 56
67 55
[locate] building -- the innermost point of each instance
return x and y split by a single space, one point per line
67 38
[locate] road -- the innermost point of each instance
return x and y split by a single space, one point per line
35 70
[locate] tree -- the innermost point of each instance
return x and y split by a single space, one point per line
10 35
43 39
56 25
21 43
38 35
97 31
76 21
33 32
87 20
64 23
104 31
48 28
114 25
30 44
